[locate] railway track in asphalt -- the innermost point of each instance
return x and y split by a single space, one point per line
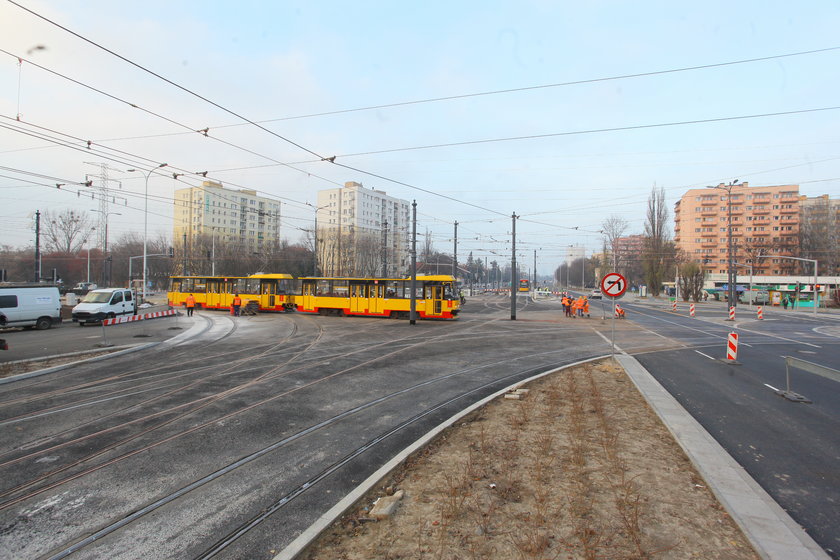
325 363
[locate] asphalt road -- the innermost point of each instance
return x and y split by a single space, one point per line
235 435
791 449
180 451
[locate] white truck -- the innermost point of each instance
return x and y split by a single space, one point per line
105 303
30 305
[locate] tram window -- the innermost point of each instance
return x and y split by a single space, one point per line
239 286
341 288
199 286
267 287
213 287
176 286
322 288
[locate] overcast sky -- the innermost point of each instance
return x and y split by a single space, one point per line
364 81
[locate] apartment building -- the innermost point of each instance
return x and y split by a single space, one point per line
233 216
765 221
628 250
361 232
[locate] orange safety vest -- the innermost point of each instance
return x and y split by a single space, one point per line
190 301
237 301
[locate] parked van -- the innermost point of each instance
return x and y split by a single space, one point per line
30 306
105 303
756 297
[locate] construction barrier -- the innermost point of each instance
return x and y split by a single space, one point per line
731 313
132 318
732 347
691 309
674 305
760 312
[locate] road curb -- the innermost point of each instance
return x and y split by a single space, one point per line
772 532
312 532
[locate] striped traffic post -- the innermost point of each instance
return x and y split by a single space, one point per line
760 312
674 305
732 347
731 313
691 309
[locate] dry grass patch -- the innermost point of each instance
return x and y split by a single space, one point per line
579 468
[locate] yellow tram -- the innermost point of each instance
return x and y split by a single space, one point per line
268 292
378 297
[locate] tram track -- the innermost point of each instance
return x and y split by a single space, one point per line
198 405
311 482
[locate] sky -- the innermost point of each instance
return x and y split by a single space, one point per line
564 113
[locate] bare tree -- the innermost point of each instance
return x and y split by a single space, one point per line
66 231
613 228
819 234
657 247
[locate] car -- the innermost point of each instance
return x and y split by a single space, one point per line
596 294
82 288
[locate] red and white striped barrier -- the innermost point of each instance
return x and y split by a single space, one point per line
691 309
132 318
731 313
732 347
674 305
760 312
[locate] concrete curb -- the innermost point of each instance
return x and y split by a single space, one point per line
771 531
324 521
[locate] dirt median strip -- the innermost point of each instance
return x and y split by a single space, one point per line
578 467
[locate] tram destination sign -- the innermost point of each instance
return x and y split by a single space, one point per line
613 285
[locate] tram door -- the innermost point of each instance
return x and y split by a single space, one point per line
308 291
358 298
434 299
377 295
212 296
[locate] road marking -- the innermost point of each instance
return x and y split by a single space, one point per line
702 354
766 385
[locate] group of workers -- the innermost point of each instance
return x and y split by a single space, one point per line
189 303
575 307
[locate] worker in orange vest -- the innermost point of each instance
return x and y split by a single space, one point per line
586 306
578 306
190 303
237 303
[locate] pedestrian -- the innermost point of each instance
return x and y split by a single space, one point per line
190 303
237 303
586 306
785 302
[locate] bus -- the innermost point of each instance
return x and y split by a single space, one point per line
262 292
436 297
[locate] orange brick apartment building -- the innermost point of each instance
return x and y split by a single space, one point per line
765 221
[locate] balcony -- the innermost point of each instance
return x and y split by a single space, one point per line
763 233
705 211
707 243
793 210
789 199
761 211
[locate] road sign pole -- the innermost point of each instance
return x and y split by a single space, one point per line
613 328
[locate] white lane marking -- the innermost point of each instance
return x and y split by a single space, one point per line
617 349
702 354
766 385
736 326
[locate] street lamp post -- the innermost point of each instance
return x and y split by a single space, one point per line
146 217
731 294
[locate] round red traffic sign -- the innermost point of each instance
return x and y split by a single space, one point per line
613 284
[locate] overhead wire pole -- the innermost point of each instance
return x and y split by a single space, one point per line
412 315
455 256
513 285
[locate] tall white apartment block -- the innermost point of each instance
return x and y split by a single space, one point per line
361 232
229 215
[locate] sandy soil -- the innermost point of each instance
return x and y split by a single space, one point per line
579 467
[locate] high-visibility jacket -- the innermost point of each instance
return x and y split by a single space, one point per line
190 301
586 306
237 301
578 303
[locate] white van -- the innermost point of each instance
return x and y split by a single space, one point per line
30 306
105 303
